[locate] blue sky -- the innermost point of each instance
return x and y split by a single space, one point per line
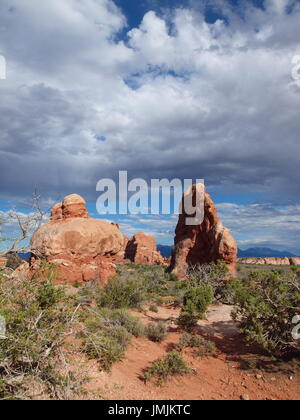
162 89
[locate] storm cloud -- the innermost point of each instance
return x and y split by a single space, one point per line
86 96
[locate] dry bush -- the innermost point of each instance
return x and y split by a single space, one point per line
39 317
170 365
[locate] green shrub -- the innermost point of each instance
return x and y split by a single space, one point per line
89 294
159 300
202 347
266 303
48 294
134 286
173 277
172 364
184 341
156 332
46 272
107 334
108 346
121 317
195 303
122 293
197 300
38 318
215 275
187 320
153 308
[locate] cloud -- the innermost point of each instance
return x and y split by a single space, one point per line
263 225
174 97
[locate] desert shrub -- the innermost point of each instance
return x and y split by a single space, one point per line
153 308
195 304
173 277
197 300
121 317
134 286
38 318
89 293
49 295
122 293
171 365
214 274
156 332
154 282
187 320
266 303
178 289
46 272
108 346
107 334
154 278
202 347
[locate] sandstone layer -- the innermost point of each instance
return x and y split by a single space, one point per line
270 261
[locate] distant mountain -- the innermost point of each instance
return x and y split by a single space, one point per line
264 253
165 250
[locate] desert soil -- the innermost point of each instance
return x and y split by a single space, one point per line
224 376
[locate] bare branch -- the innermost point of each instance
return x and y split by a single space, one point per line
23 225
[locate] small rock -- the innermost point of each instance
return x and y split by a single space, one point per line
273 379
245 397
258 376
291 378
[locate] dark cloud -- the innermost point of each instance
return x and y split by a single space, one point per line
208 101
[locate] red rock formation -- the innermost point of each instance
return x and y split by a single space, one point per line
82 248
295 261
141 249
73 206
202 243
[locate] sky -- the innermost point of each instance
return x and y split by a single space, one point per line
162 89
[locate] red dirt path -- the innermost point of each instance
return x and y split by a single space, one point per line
218 377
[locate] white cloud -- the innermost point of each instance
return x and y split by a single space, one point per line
263 224
183 98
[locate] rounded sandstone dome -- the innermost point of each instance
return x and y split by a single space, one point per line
73 199
74 206
81 237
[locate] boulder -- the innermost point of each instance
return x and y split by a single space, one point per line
81 247
206 242
142 249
